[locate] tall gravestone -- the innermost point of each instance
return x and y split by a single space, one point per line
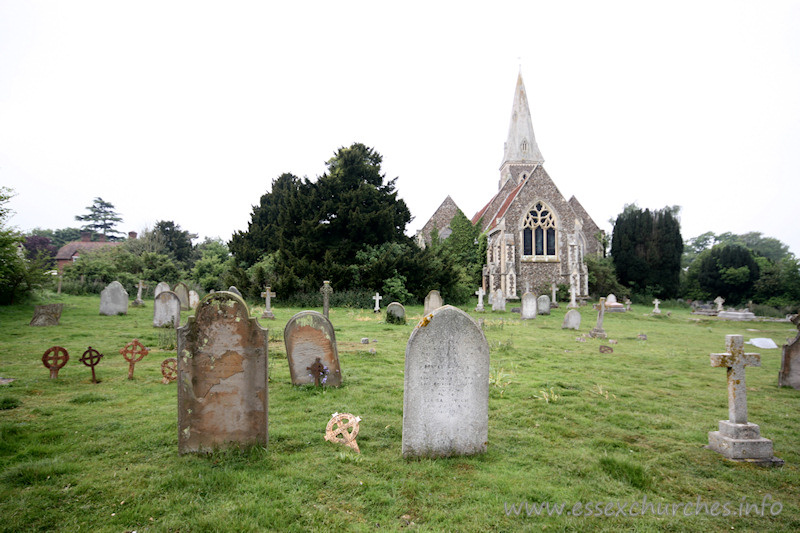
572 320
235 291
167 310
161 287
183 294
446 387
498 301
598 332
138 302
194 299
222 377
528 310
738 439
433 301
114 300
789 375
268 295
309 338
543 305
480 294
326 291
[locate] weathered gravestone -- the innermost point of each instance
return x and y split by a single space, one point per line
268 295
480 294
543 305
183 294
309 337
789 375
656 310
598 332
235 291
528 310
498 301
719 300
736 315
613 306
167 310
554 296
433 301
161 287
446 387
572 320
738 439
326 291
114 300
138 302
46 315
222 377
194 299
395 313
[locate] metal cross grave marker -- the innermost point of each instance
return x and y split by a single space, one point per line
133 352
317 370
337 426
90 358
169 369
735 360
54 360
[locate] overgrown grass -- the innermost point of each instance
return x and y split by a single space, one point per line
75 456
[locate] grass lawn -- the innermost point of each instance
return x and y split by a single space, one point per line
567 424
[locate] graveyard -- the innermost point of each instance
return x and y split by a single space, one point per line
606 422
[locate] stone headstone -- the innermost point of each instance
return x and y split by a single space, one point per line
433 301
738 439
222 377
377 299
161 287
656 310
114 300
789 375
446 387
396 313
719 300
543 305
528 310
194 299
480 294
235 291
167 310
613 306
268 295
309 336
498 301
611 299
46 315
183 294
572 320
326 291
138 302
598 331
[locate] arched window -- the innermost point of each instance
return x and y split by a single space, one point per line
524 145
539 232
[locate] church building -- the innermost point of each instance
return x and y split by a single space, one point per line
535 236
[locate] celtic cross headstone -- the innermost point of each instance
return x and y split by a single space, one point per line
91 358
54 360
133 352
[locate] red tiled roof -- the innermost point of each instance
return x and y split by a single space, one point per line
70 249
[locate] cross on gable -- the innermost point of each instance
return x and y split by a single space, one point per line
735 360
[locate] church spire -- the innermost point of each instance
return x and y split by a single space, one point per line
520 147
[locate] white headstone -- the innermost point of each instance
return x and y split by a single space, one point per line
194 299
543 305
446 387
167 310
183 293
572 320
114 300
161 287
480 294
498 301
656 310
377 299
611 299
528 310
433 301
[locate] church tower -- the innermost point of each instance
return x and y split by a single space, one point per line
521 153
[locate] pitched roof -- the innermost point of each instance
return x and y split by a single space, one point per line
71 248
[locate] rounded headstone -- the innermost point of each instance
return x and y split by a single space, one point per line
114 300
543 305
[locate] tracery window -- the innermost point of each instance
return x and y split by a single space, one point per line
539 232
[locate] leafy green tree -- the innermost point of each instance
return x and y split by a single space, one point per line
59 237
646 248
18 275
101 218
727 270
467 245
177 242
602 277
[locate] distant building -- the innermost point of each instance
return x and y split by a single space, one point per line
535 236
71 251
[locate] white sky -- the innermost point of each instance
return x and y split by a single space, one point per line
186 111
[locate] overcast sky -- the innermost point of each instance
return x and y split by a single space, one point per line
186 111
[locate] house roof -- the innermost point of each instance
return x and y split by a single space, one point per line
71 248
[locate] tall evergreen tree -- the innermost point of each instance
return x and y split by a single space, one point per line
101 218
646 248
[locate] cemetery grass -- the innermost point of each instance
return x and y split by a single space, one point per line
567 424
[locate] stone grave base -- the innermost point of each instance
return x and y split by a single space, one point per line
736 315
742 442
